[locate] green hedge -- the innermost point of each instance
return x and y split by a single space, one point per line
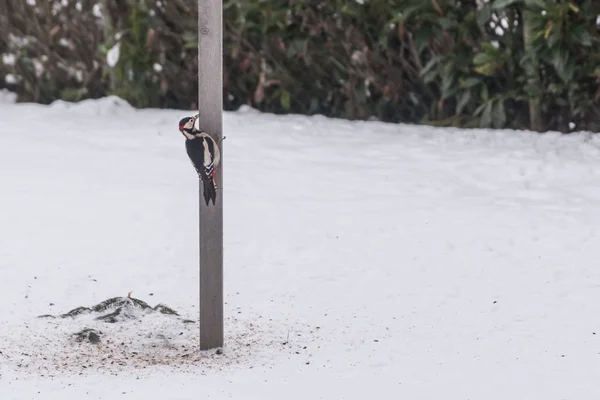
503 64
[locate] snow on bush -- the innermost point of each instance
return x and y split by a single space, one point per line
7 97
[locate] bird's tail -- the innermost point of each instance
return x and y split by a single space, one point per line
209 187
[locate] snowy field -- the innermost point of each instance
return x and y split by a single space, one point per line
362 260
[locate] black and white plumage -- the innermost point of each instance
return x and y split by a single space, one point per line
204 153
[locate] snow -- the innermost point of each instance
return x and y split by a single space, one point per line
9 59
11 79
362 259
113 54
97 10
7 97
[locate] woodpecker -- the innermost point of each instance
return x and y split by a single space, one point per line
204 154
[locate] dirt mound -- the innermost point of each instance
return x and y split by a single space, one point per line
119 334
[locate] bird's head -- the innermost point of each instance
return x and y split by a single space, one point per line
186 126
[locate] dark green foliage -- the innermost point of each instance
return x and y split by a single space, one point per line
135 77
448 63
567 41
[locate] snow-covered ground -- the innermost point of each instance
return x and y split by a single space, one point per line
362 260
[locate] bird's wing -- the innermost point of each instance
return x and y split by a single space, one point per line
195 152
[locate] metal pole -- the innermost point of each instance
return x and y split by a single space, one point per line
210 104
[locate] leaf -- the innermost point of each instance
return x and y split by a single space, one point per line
574 8
447 82
553 39
449 66
499 114
485 92
484 15
447 23
432 63
483 58
408 12
536 3
338 64
422 37
486 117
490 49
470 82
582 35
430 76
284 99
561 102
384 42
562 65
488 69
462 101
548 30
479 109
294 47
502 4
429 72
532 90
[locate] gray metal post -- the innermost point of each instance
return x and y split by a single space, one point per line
210 104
